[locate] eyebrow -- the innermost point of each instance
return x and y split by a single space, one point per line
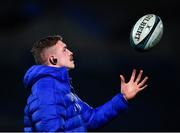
65 45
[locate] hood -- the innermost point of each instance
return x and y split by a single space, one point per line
37 72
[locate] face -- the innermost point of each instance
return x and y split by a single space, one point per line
63 55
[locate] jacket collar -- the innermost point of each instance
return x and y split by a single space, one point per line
37 72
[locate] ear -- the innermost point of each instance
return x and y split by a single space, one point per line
53 60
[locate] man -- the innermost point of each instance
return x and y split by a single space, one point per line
52 104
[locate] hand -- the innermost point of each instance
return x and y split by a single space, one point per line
130 89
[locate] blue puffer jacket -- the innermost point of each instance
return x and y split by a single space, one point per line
52 105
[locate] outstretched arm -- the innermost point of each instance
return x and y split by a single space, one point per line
101 115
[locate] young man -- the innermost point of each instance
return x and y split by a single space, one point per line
53 106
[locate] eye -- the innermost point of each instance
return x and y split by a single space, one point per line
64 49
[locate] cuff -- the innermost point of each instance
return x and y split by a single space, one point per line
119 102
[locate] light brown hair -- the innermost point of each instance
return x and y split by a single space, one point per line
41 44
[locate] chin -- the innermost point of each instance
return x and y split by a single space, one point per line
71 67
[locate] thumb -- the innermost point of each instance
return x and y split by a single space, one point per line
122 79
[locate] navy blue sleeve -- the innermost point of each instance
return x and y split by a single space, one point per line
99 116
51 111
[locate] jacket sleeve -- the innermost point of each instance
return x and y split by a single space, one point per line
99 116
51 109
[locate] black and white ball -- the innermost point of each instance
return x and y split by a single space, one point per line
146 33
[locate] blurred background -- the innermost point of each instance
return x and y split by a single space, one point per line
98 35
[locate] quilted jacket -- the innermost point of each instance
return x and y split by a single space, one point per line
53 106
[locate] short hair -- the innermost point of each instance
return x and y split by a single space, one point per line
41 44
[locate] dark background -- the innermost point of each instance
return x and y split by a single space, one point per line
98 34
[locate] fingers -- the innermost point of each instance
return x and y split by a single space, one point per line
143 82
143 87
137 80
133 75
139 76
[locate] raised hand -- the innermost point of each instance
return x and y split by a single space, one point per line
130 89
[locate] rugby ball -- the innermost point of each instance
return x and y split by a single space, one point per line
146 32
